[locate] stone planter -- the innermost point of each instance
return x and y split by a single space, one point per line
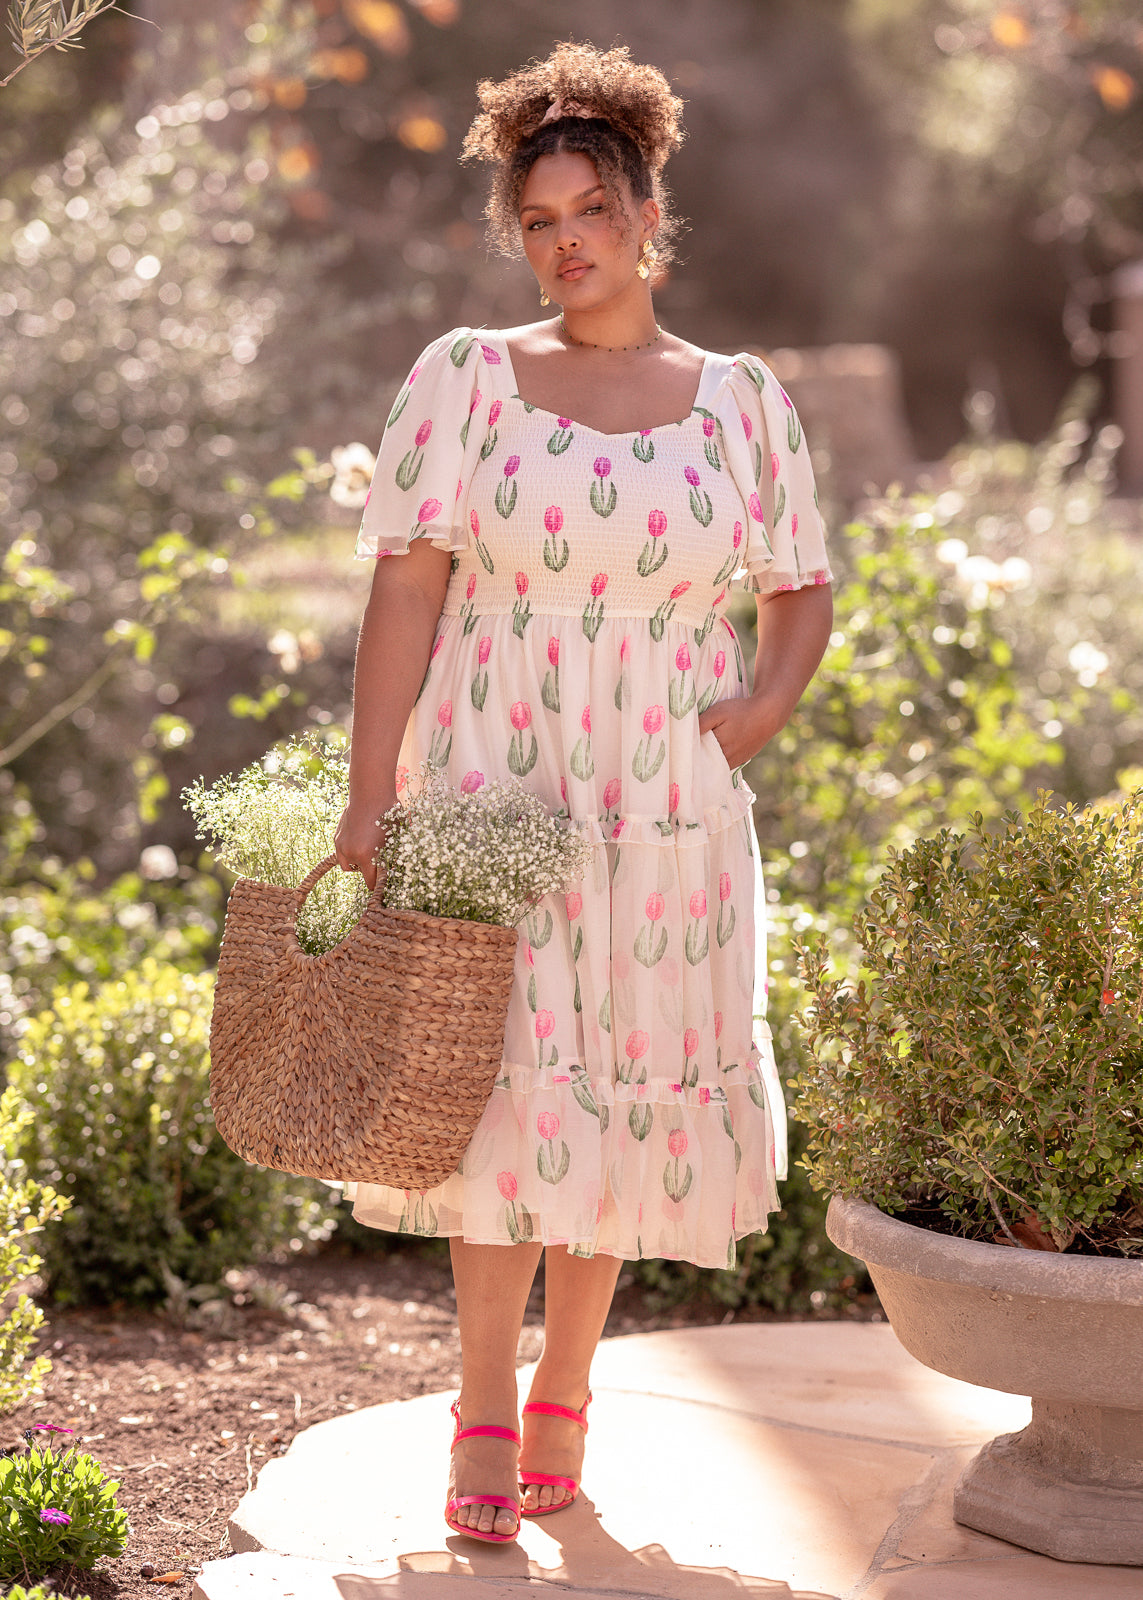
1067 1330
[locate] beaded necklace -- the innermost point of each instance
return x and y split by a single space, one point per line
611 349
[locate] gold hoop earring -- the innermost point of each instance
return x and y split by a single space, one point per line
544 300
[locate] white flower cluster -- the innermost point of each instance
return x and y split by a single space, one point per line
485 857
275 821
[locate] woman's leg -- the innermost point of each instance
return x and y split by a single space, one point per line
577 1298
492 1287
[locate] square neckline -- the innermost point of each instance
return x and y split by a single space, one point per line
622 433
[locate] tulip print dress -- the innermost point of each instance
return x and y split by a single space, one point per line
638 1112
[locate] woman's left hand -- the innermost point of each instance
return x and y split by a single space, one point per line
740 728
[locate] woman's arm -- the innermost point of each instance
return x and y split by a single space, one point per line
392 653
793 632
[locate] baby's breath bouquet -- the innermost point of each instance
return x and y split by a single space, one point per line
275 821
484 856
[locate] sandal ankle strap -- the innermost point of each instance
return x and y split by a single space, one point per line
548 1408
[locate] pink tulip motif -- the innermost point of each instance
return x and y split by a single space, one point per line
725 927
550 690
732 559
506 1183
428 512
492 436
775 466
522 758
545 1027
582 762
603 499
471 782
519 1228
696 940
561 437
441 745
636 1047
468 611
676 1186
413 460
522 610
710 445
555 556
643 446
612 791
651 940
647 759
719 663
593 611
573 904
653 554
490 355
673 799
478 689
551 1167
681 693
702 508
508 488
666 610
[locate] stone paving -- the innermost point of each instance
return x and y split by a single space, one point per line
792 1461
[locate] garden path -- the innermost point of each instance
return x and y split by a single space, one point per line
810 1461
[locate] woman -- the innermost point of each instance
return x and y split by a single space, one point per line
570 501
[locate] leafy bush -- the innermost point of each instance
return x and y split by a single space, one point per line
988 1064
57 1510
117 1079
38 1593
25 1208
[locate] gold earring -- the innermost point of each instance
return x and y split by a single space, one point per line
544 300
646 257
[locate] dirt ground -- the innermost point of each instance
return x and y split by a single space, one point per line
184 1410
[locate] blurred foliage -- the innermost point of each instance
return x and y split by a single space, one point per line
1037 98
26 1208
116 1076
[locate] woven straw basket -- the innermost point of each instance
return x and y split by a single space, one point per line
372 1062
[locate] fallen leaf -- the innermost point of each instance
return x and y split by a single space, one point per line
168 1577
1032 1236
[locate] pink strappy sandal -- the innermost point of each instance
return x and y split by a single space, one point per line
498 1500
539 1479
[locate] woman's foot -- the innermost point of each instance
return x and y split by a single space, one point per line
553 1447
484 1464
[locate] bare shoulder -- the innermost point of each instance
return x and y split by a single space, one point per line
530 338
680 356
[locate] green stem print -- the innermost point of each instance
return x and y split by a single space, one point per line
651 941
561 438
678 1188
521 760
550 690
643 448
552 1168
508 489
665 611
701 507
640 1120
653 554
646 764
680 693
602 502
593 611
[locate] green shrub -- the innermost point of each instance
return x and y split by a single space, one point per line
25 1208
38 1593
117 1077
56 1510
988 1063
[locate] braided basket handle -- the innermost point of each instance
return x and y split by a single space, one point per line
310 879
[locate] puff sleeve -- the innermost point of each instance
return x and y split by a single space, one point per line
430 447
769 461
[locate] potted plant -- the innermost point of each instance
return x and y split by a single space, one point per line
976 1105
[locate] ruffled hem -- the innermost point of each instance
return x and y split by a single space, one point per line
778 580
634 1170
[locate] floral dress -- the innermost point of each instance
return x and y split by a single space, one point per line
638 1111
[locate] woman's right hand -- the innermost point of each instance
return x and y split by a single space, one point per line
359 837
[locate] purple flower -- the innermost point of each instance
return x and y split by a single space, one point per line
691 476
50 1514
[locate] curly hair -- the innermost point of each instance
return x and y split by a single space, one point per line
626 123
